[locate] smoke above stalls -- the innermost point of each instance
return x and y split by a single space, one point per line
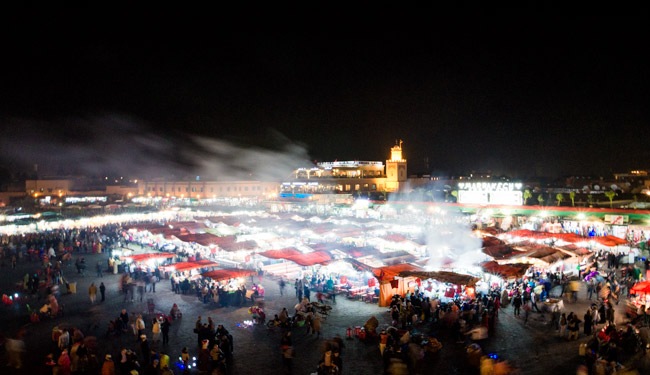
119 145
226 160
447 233
450 241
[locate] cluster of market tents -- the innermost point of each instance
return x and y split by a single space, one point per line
241 242
209 267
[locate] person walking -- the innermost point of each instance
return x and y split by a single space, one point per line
527 310
92 292
98 267
563 325
282 284
102 291
316 325
533 301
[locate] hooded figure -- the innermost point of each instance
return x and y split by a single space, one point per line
108 367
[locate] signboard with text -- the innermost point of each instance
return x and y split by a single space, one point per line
504 193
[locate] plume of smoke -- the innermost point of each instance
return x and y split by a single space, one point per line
119 145
448 236
227 161
450 242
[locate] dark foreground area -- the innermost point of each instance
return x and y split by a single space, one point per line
533 348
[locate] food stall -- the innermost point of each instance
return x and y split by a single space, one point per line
636 305
554 302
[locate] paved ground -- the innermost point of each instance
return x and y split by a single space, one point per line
534 348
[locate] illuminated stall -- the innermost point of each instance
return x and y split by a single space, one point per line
391 283
640 301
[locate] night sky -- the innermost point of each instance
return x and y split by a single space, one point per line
512 92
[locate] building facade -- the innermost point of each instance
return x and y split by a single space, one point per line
349 177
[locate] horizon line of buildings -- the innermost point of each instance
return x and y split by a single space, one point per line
354 178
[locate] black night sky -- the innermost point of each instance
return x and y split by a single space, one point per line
513 92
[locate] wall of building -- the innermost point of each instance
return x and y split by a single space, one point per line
48 187
207 189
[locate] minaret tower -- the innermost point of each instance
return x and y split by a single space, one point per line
395 168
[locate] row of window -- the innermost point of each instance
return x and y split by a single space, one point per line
200 190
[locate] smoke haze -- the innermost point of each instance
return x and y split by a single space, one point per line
119 145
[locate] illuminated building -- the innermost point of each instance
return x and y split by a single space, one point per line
349 177
199 189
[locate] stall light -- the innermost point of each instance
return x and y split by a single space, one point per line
543 214
581 216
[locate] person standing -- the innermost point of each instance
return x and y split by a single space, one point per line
140 284
146 351
92 292
108 367
287 358
610 313
139 326
64 363
155 331
282 285
574 328
99 269
102 291
298 286
316 325
306 291
164 328
591 287
383 340
516 304
587 323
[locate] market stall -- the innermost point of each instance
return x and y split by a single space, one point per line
640 301
391 283
189 266
445 285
